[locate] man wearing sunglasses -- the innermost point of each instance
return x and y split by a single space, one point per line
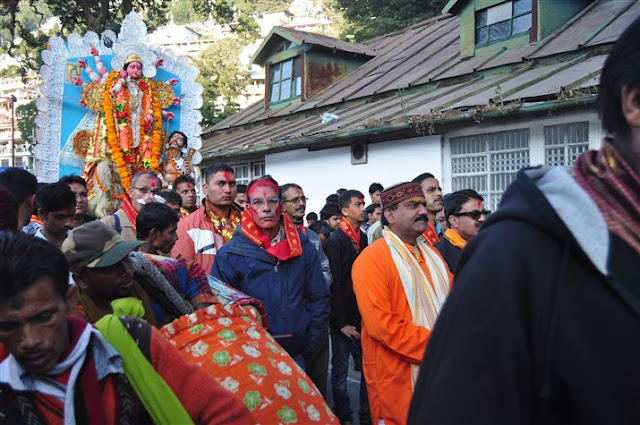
464 213
144 186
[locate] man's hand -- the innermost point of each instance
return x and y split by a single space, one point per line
350 332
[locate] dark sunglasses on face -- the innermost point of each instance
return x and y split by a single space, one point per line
475 215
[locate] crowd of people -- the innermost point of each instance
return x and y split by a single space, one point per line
536 327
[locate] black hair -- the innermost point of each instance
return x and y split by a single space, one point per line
154 215
171 197
622 68
140 174
183 178
242 188
21 183
18 269
329 210
321 228
332 199
345 199
372 208
453 201
288 186
73 179
218 166
374 187
341 191
268 178
312 216
422 177
180 133
8 211
55 197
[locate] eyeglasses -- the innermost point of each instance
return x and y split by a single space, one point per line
297 199
475 215
260 202
144 190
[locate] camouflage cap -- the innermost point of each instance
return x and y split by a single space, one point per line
95 245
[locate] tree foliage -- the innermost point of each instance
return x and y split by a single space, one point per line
223 78
26 119
366 19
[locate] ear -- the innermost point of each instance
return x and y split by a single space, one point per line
388 214
452 222
204 187
630 97
80 281
345 212
71 298
41 214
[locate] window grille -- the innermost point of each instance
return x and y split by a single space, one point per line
488 163
563 143
242 173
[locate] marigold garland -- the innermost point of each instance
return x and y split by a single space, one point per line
112 138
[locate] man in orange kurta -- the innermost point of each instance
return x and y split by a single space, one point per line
400 284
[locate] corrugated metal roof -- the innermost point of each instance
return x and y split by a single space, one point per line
419 72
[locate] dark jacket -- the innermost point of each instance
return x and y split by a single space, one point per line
543 320
342 254
449 252
293 292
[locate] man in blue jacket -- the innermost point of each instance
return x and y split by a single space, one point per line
270 259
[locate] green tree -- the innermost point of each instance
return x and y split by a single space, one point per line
366 19
223 78
184 13
26 119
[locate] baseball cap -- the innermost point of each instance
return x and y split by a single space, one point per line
95 245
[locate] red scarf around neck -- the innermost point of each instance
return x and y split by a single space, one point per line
615 188
287 248
130 212
348 230
430 235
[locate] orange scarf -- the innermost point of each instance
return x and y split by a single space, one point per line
348 230
455 239
130 212
287 248
430 235
35 219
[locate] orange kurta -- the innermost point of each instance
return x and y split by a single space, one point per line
390 341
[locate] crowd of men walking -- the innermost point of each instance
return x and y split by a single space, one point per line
537 327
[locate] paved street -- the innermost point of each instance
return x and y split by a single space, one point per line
353 387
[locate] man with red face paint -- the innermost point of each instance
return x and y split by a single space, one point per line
342 248
465 213
206 230
145 185
272 260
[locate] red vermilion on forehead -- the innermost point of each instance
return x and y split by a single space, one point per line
479 203
262 184
228 175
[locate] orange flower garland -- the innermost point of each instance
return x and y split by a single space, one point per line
112 137
120 140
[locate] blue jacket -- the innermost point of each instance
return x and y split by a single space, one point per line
293 292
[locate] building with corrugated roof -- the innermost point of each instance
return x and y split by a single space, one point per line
472 96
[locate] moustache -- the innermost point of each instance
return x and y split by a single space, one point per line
421 218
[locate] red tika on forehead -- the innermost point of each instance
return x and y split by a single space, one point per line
228 175
262 184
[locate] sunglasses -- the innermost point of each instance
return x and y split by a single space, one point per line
474 214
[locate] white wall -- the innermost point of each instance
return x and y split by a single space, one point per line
321 173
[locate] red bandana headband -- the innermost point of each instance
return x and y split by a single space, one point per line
395 194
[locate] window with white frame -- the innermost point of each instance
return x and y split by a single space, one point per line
503 21
285 81
248 171
488 162
564 142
